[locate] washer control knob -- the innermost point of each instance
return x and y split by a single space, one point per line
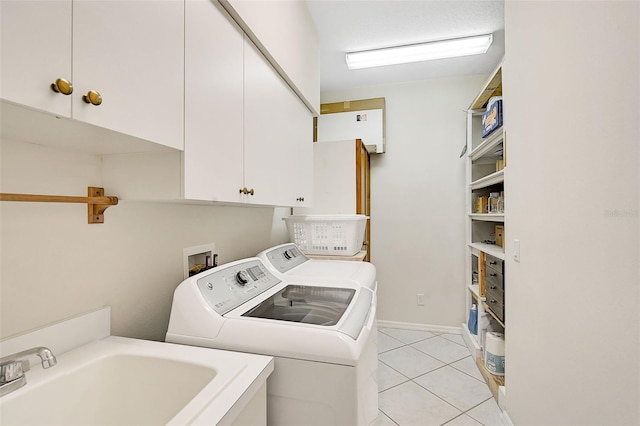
288 254
241 278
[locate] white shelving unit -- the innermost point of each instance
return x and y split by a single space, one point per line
487 217
486 181
486 172
491 249
488 145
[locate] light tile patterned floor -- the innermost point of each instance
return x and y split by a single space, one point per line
429 379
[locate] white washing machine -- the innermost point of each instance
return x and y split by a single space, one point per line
288 261
322 337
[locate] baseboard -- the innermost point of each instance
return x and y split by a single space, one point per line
506 420
420 327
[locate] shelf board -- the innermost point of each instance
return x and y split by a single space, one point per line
492 179
492 249
488 310
487 217
475 290
493 87
471 341
488 145
494 382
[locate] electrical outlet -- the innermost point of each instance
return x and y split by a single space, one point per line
420 299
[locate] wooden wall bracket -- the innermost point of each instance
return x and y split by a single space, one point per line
96 201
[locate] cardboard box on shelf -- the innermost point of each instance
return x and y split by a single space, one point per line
481 205
492 118
500 235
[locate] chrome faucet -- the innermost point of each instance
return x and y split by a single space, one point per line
13 367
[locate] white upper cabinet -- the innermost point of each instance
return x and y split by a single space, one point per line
248 137
297 173
214 151
180 103
125 56
132 53
286 35
278 135
36 50
244 127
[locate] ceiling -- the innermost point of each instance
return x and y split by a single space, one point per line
351 25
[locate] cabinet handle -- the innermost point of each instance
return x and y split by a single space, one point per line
92 97
62 86
300 199
246 191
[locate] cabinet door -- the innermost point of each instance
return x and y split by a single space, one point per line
296 182
263 156
278 136
36 50
132 53
213 152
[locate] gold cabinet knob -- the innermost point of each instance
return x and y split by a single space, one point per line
92 97
246 191
62 86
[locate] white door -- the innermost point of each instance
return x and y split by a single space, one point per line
296 183
213 152
263 156
132 54
36 50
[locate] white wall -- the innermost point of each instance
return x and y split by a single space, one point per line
417 198
572 93
54 264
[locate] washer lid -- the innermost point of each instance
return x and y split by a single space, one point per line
355 321
305 304
317 306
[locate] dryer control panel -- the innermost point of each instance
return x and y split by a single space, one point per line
229 286
286 257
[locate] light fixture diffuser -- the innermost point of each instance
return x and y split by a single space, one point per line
419 52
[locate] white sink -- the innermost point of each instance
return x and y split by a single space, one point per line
119 381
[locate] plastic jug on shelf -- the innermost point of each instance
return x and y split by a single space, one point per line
473 320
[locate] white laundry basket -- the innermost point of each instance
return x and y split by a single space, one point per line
339 235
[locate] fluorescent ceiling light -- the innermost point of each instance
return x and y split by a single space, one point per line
419 52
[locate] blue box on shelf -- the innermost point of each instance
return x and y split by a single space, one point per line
492 118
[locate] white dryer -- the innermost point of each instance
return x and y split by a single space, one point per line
288 261
322 338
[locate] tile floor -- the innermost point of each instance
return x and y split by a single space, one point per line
429 379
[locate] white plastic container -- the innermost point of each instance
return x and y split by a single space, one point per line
494 353
336 235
